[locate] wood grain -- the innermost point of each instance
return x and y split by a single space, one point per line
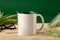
13 35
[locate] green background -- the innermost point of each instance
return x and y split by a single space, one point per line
48 8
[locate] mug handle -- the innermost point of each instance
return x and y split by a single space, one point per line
42 22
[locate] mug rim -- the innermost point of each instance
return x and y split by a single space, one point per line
26 12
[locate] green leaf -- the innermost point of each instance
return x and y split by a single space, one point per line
5 19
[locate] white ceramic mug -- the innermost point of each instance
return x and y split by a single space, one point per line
27 23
